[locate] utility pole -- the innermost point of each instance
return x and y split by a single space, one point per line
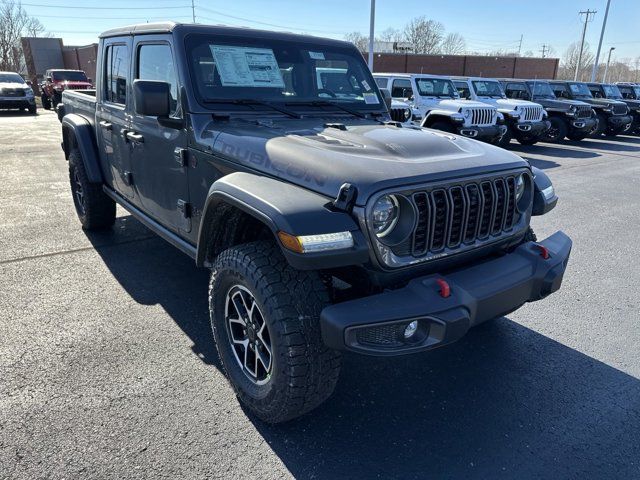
544 50
193 11
372 22
606 68
520 45
594 71
584 33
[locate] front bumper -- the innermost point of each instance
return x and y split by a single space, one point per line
17 102
531 129
375 325
617 122
584 124
489 134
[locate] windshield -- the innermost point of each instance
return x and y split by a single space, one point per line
11 78
612 91
69 76
487 88
580 90
436 87
230 69
541 90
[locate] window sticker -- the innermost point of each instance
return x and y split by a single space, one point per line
366 85
247 66
316 55
370 98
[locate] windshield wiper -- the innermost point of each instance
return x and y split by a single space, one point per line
325 103
251 101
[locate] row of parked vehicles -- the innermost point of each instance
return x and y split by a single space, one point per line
499 110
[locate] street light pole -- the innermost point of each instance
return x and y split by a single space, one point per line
606 68
372 22
594 71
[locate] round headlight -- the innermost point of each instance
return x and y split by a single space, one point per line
520 185
407 114
385 215
467 113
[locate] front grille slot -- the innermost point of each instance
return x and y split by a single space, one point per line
397 115
584 111
619 110
531 114
481 116
449 217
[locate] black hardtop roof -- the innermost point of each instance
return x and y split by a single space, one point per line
185 28
524 80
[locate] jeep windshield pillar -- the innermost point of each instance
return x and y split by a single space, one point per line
272 160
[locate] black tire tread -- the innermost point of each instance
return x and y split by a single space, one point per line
100 210
293 300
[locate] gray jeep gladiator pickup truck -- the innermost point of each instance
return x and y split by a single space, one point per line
327 226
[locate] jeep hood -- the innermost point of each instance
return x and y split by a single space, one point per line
14 85
512 103
558 104
457 104
370 156
603 102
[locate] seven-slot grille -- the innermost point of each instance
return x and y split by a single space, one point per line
531 114
482 116
619 109
449 217
583 111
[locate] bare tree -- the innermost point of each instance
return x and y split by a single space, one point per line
360 41
425 35
453 44
570 60
15 23
390 35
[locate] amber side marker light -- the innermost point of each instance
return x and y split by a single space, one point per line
316 243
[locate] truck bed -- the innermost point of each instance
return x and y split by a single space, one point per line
80 102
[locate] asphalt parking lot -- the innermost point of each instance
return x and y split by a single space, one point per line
107 367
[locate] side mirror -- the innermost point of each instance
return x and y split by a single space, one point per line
152 98
387 97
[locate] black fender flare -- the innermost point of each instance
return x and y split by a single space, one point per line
542 203
77 130
288 208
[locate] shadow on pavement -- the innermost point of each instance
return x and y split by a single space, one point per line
17 113
610 144
505 401
542 149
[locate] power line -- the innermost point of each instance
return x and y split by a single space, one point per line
101 8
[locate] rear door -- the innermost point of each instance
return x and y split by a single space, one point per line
113 112
159 153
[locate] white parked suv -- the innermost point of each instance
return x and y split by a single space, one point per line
436 99
526 121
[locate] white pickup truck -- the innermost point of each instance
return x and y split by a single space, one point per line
437 100
526 121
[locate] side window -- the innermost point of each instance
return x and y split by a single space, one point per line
463 89
559 90
595 91
155 62
116 74
514 90
401 88
382 82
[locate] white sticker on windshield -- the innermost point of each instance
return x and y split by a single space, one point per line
370 98
316 55
247 66
366 85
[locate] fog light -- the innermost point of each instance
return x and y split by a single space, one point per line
411 329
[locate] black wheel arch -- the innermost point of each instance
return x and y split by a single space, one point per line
246 207
78 133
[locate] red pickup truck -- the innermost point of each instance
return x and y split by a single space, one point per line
56 81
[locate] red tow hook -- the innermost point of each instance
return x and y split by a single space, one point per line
445 289
544 252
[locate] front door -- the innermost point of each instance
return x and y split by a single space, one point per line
158 152
112 113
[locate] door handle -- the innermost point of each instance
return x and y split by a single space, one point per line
106 125
134 137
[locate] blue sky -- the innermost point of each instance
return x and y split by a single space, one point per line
486 24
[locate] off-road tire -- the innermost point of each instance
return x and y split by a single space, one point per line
97 211
46 102
601 128
304 371
530 236
557 131
505 140
33 109
443 126
577 136
528 140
